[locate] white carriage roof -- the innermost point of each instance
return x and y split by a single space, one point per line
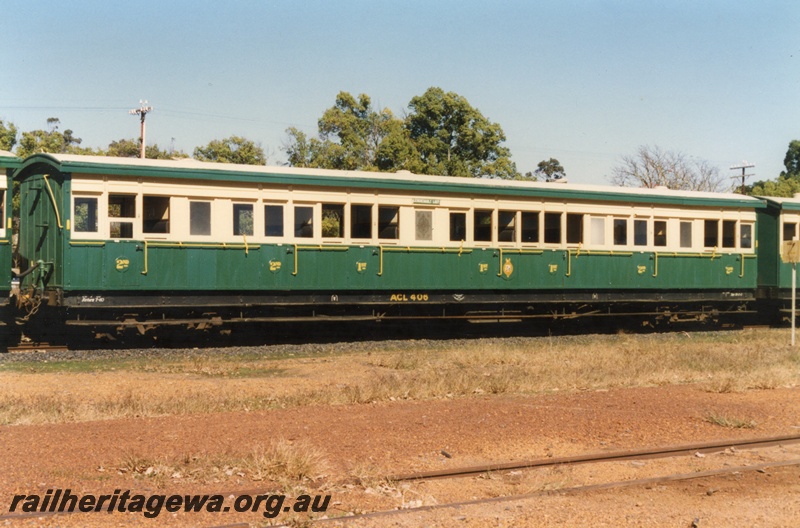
199 170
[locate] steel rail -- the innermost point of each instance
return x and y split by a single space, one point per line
659 452
564 491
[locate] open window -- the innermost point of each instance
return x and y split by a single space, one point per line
303 221
482 230
360 221
333 220
458 227
552 228
789 231
620 231
660 233
84 214
711 233
388 222
507 226
121 215
156 214
243 219
729 233
530 227
574 228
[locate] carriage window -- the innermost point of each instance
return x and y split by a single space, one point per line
199 218
388 223
483 225
273 220
303 222
424 225
530 227
458 227
507 226
729 233
660 233
620 232
640 232
552 228
746 236
574 229
597 228
361 221
243 219
156 214
84 215
789 231
333 220
686 234
121 206
711 233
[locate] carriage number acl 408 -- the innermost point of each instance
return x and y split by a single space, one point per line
414 297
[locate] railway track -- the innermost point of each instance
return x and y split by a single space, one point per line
616 456
661 452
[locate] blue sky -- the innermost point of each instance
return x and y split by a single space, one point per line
585 82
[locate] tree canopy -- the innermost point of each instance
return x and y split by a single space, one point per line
442 134
50 140
234 149
8 136
787 184
129 148
551 170
351 137
455 139
653 167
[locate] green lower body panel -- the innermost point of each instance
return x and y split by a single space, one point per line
128 266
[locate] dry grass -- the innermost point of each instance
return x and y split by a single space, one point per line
718 361
285 463
730 422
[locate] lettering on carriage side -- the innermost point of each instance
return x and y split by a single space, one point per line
553 268
641 269
93 299
274 266
483 267
361 267
728 270
121 264
413 297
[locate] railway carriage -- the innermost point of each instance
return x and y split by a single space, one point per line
778 222
129 243
8 164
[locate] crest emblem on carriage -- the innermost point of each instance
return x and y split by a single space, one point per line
508 268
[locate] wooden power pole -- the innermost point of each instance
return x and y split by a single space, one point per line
142 111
